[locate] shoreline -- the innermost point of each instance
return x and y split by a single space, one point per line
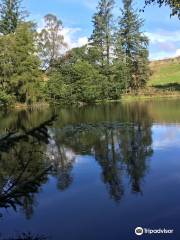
23 106
146 97
124 98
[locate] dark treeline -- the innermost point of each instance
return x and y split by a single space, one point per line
36 66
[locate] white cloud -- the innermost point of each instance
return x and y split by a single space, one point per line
72 40
177 53
163 36
166 136
70 35
164 44
164 55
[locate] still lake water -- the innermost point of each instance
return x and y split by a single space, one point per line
93 173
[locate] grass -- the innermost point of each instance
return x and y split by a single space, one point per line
164 81
165 74
142 97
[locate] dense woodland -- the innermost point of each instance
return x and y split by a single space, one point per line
36 66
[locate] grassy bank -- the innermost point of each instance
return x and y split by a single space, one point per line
165 74
164 81
133 97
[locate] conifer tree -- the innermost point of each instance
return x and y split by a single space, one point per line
120 68
19 64
134 45
102 36
10 15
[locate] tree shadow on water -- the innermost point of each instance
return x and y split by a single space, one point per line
23 170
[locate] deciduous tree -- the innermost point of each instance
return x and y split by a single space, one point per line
51 41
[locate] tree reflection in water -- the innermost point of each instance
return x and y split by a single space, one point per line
121 148
29 156
62 160
23 166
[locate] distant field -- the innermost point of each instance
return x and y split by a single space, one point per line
165 74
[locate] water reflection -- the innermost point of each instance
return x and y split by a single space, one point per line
23 166
38 152
30 155
62 160
120 148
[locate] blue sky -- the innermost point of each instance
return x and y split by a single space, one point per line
163 31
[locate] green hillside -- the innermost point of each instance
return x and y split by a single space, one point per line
165 74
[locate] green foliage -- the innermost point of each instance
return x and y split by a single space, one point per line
75 79
120 67
50 41
113 62
6 99
19 64
57 91
79 82
121 76
89 82
133 46
102 36
10 15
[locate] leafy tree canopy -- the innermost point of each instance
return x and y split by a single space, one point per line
51 41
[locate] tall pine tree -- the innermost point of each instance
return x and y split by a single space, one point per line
10 15
133 46
120 68
102 36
